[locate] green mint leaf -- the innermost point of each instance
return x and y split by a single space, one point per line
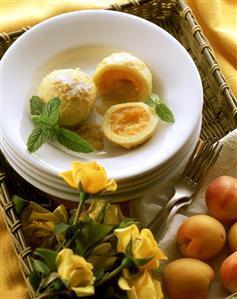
37 138
37 120
73 141
162 110
51 111
165 113
151 103
36 105
153 100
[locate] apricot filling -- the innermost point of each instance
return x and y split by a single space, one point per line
123 77
130 124
129 120
120 84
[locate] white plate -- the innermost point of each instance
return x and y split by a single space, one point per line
150 185
58 183
33 173
83 39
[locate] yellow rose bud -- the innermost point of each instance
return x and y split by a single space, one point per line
112 213
141 286
124 236
90 175
143 245
75 272
39 222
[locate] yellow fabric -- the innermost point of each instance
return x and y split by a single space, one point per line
218 19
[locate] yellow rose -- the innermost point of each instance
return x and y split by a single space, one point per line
102 256
141 286
112 215
75 272
90 175
143 245
39 222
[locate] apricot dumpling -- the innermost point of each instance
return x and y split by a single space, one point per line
123 77
130 124
76 91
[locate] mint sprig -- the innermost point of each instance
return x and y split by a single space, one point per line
36 105
162 110
45 117
73 141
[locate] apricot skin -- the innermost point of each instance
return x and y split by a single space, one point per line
228 272
201 236
187 278
232 237
221 199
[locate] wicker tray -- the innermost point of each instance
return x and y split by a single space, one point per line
219 112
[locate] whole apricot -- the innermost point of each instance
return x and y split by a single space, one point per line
221 199
228 272
187 278
232 237
201 236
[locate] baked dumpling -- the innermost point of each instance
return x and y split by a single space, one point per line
76 91
122 76
131 124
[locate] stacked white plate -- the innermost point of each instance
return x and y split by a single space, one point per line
82 39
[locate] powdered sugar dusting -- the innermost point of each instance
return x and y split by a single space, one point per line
75 85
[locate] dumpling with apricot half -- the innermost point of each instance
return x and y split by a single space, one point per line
129 125
123 77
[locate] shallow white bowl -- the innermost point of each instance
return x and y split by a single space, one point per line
82 39
152 184
58 183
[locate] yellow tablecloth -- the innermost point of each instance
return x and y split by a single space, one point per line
218 19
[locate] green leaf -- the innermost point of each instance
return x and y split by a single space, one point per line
61 228
127 222
37 120
101 215
36 105
35 279
37 138
151 102
129 247
40 267
50 281
51 111
19 204
73 141
48 256
142 262
91 233
162 110
98 273
165 113
80 248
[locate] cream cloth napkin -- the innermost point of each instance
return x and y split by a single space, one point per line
146 208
